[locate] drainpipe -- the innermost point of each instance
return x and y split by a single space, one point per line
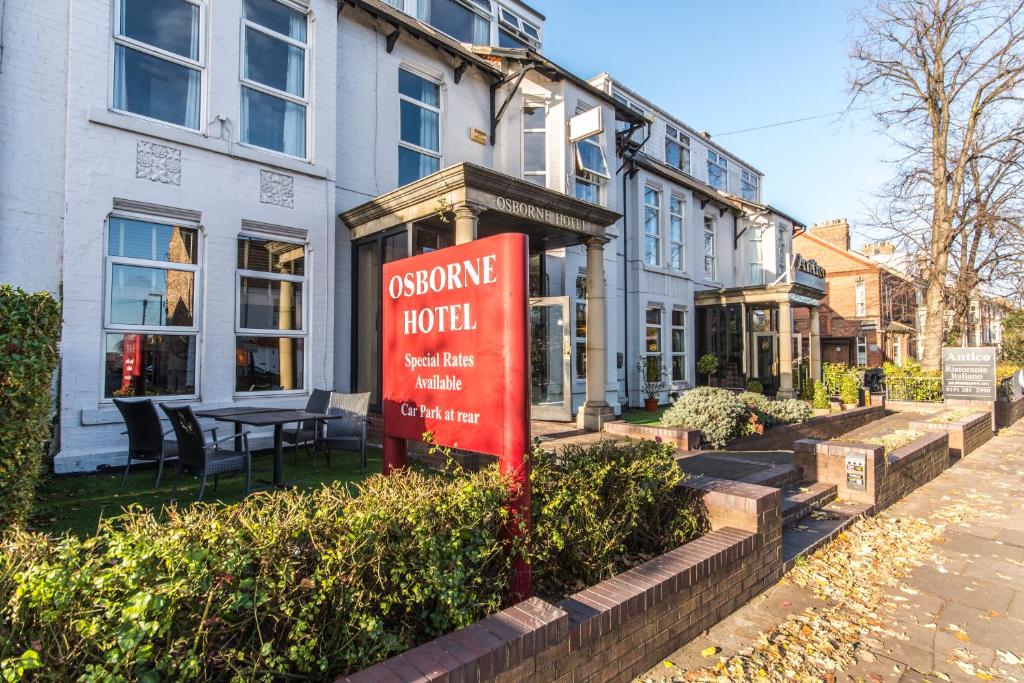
625 283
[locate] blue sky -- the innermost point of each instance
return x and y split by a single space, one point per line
728 65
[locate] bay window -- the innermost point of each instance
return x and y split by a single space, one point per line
748 185
677 149
677 232
159 60
419 145
678 345
710 245
718 171
535 145
270 324
275 66
151 323
467 22
652 226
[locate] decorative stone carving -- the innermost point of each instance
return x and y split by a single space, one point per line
277 188
158 163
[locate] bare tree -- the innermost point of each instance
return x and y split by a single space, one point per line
944 78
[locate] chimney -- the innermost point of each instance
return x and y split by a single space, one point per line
879 249
835 232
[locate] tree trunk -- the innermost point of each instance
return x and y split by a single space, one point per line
934 324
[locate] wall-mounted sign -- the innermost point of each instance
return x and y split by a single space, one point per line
808 272
478 136
969 373
856 466
585 125
536 213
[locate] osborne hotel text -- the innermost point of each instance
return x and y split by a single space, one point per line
224 183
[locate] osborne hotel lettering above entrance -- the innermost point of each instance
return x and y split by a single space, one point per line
539 214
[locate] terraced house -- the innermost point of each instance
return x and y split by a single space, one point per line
213 187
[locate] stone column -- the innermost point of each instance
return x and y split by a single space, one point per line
465 223
814 345
785 350
595 411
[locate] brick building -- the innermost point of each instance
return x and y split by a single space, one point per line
869 313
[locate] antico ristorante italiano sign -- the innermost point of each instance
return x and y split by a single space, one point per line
969 373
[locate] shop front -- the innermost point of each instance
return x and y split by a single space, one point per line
466 202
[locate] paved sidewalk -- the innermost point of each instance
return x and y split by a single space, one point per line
932 590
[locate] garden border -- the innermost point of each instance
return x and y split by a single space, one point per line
965 435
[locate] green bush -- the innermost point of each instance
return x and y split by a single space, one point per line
910 382
820 401
707 365
789 411
849 390
29 332
597 508
288 585
719 414
755 387
832 376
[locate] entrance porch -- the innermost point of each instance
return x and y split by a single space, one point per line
466 202
750 330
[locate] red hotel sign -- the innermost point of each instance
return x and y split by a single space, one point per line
455 354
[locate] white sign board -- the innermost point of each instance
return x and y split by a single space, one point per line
585 125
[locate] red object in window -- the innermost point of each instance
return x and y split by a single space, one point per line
456 360
131 360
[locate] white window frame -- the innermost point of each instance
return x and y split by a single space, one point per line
439 110
196 65
683 141
581 168
862 352
544 131
655 236
749 179
304 101
302 333
712 273
672 350
145 330
660 353
473 6
860 300
756 256
681 242
518 27
722 163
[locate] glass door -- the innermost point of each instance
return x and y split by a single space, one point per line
550 359
764 360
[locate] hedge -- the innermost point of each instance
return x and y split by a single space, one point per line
315 585
721 415
29 332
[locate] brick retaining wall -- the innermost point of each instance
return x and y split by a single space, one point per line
1008 412
782 437
624 625
683 439
965 435
886 479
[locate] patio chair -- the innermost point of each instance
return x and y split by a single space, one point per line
350 429
146 436
196 457
305 433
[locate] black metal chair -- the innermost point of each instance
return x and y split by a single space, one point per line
146 436
198 458
305 433
347 430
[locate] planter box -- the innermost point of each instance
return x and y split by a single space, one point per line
1008 412
684 439
885 479
782 437
622 626
965 434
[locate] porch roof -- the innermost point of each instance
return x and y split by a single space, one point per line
503 204
794 293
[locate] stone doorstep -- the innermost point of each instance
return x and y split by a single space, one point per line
799 500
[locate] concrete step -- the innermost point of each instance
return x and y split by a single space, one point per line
821 527
800 500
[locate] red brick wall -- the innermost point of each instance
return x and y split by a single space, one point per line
684 439
965 435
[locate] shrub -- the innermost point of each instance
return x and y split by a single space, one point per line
909 382
820 396
755 387
707 365
717 413
287 585
789 411
832 376
849 390
808 389
596 508
29 332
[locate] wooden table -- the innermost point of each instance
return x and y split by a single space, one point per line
264 417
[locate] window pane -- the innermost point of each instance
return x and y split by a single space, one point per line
651 251
171 25
534 152
651 220
154 87
673 154
273 62
591 157
277 17
269 256
151 296
581 319
273 123
587 191
534 118
411 85
677 257
414 165
459 22
678 318
420 127
506 39
678 368
654 316
540 180
269 304
269 363
149 365
154 241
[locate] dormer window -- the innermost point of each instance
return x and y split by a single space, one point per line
516 32
677 149
718 171
467 21
748 185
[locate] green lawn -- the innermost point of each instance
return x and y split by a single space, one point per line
642 417
75 503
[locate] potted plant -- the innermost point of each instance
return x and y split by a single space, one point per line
653 376
707 365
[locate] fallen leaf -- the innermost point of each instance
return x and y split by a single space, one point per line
960 635
709 651
668 664
1008 657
